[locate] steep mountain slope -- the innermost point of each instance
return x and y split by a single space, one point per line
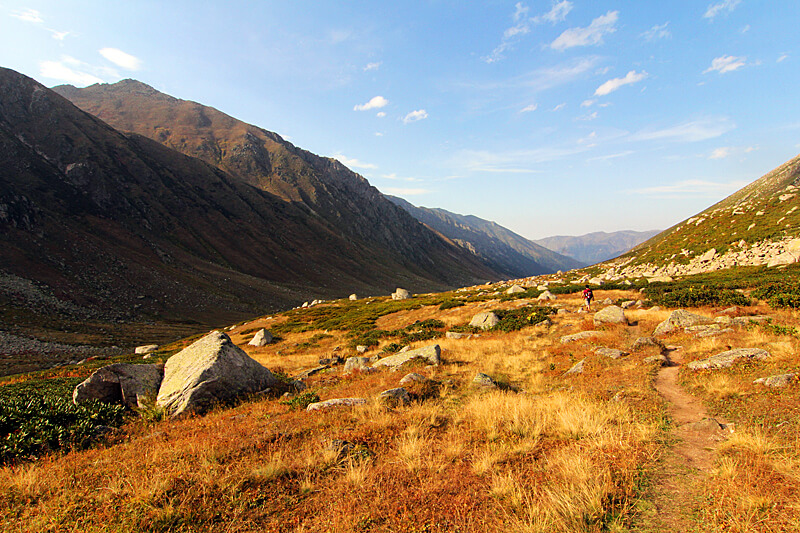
329 191
106 226
757 225
500 248
596 247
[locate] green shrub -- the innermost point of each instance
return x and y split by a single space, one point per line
516 319
392 348
38 416
301 401
779 295
694 296
449 304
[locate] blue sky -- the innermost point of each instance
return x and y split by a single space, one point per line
548 117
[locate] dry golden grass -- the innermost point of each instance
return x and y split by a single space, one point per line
562 453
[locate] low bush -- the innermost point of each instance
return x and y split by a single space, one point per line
38 416
779 295
301 401
694 296
449 304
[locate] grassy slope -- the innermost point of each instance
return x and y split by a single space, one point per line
754 213
565 453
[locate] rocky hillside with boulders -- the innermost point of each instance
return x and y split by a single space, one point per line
758 225
500 248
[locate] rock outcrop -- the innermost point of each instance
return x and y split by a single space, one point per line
131 385
727 359
210 371
680 318
610 315
429 354
261 338
484 321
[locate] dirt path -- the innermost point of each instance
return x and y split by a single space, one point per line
675 490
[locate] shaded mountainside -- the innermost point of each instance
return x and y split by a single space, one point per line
767 210
327 189
500 248
101 225
596 247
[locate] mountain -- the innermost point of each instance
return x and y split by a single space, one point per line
500 248
99 225
596 247
759 225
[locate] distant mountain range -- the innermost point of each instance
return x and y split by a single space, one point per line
596 247
99 224
498 247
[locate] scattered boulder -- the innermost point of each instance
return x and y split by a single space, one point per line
646 342
577 368
335 402
706 425
746 320
484 381
610 315
579 336
352 364
726 359
659 279
123 383
330 361
627 304
353 297
457 335
562 312
607 301
413 377
395 397
546 296
707 330
146 349
261 338
515 289
680 318
610 352
312 371
660 360
401 294
430 354
485 321
361 348
596 281
779 380
212 370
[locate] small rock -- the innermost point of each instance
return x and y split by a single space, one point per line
335 402
727 359
610 352
779 380
456 335
413 377
395 397
627 304
660 360
515 289
484 381
401 294
353 364
353 297
484 321
579 336
680 318
577 368
361 349
146 349
430 354
261 338
646 342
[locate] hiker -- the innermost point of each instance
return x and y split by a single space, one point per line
588 296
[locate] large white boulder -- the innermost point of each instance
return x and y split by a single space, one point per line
485 321
429 354
261 338
210 371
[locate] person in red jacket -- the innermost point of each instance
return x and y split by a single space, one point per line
588 296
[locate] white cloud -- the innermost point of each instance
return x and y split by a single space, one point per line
692 188
374 103
783 58
558 13
745 29
611 156
121 59
693 131
529 108
588 116
715 9
659 31
725 64
414 116
58 70
28 15
591 35
404 192
589 140
560 106
59 35
394 176
380 114
378 134
588 103
721 153
372 66
613 84
353 163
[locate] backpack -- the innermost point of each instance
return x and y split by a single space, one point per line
588 294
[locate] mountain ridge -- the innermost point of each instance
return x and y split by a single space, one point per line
598 246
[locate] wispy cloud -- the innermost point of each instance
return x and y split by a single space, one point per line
414 116
521 25
512 161
613 84
693 131
560 106
376 102
59 35
354 163
725 64
589 116
67 70
783 58
721 7
591 35
121 59
380 114
372 66
529 108
727 151
659 31
588 103
28 15
395 177
611 156
691 189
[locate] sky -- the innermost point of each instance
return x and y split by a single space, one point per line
548 117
